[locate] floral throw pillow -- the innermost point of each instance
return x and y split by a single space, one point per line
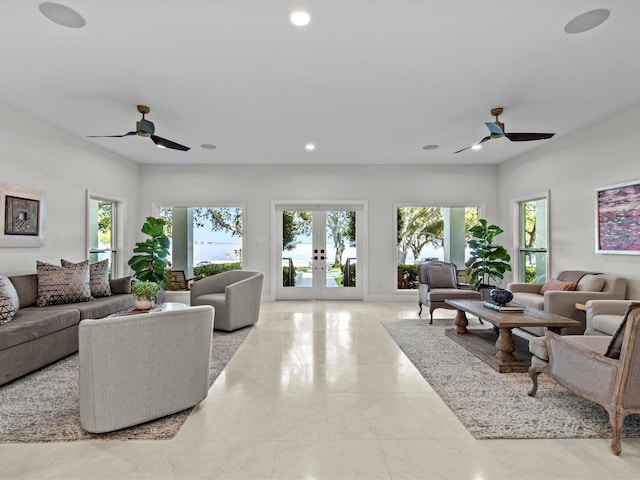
68 284
9 301
98 278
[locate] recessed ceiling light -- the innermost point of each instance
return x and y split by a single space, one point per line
300 18
587 21
62 15
476 147
207 146
430 147
310 147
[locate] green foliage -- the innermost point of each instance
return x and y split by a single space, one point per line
294 224
149 263
144 290
227 219
214 268
487 261
288 281
349 274
407 273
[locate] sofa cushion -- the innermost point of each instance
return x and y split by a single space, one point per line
532 300
591 283
98 307
34 322
58 285
27 288
9 301
120 285
441 294
558 285
98 277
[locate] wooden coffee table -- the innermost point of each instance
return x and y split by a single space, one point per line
500 356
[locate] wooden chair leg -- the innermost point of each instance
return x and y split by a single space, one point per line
533 373
617 421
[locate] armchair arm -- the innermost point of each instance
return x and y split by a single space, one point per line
580 369
524 287
243 297
564 303
606 307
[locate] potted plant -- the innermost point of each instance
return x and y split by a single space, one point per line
145 294
488 262
149 262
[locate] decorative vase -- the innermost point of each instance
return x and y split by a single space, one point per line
501 296
142 304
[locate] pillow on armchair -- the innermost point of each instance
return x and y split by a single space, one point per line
440 276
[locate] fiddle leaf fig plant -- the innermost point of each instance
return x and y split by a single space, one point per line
488 262
149 262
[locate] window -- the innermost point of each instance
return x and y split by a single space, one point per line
431 233
533 241
204 240
102 235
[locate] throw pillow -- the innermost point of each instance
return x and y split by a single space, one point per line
120 285
98 278
440 276
591 283
9 301
615 346
558 285
66 284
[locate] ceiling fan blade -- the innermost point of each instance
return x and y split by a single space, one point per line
471 146
494 128
111 136
164 143
525 137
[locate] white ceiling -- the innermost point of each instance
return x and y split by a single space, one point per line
368 81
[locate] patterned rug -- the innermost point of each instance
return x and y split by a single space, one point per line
43 406
492 404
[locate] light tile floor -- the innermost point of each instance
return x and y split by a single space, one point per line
320 391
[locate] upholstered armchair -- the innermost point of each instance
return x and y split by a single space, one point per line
136 368
235 295
605 370
550 297
438 281
605 316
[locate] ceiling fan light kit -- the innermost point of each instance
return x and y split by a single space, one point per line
496 130
145 128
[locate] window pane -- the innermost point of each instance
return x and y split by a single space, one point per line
533 241
296 248
101 231
431 233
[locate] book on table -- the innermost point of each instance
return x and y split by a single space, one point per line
507 307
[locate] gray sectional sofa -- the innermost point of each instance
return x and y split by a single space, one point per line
38 336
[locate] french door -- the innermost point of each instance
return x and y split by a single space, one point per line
319 248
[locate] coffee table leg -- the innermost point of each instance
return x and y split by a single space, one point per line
505 346
461 322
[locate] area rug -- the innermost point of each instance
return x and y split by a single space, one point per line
496 405
43 406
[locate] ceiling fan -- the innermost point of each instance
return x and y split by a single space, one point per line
145 128
496 130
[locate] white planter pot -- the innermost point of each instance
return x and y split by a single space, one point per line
142 304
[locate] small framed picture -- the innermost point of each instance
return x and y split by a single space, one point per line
22 211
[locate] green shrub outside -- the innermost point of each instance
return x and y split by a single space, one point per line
214 269
286 282
409 272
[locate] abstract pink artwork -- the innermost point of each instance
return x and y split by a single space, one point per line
619 219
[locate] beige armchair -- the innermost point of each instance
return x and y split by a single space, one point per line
137 368
605 370
563 303
235 295
438 281
605 316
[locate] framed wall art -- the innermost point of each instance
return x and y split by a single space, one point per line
22 212
618 219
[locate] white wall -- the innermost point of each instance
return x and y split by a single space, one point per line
571 168
38 156
381 186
